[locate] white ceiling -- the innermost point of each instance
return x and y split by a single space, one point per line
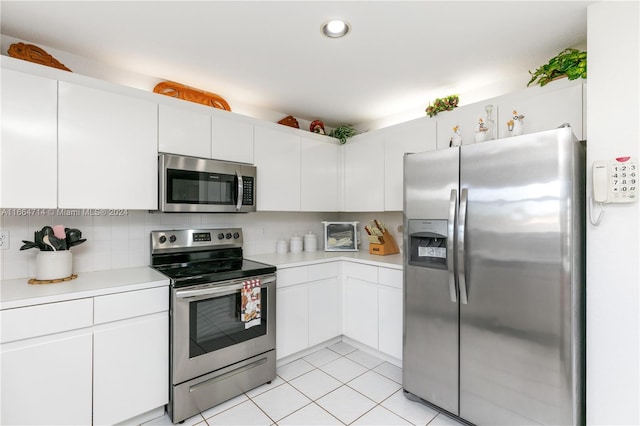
272 56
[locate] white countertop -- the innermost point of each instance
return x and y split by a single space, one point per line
289 260
19 293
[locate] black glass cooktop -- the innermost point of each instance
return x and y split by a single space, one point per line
213 271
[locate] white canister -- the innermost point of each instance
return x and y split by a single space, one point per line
281 246
54 265
295 244
310 242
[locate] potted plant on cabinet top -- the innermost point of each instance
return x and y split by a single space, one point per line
342 133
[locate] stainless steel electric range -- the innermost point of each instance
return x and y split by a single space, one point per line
223 330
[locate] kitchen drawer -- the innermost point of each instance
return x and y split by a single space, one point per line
390 277
361 272
131 304
323 271
291 276
41 320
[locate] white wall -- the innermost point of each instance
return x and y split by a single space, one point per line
613 255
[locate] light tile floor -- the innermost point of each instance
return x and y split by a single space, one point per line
338 385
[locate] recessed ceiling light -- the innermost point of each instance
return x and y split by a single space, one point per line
335 28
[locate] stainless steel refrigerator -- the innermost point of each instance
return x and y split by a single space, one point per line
494 280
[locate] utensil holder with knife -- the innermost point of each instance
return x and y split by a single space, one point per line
381 242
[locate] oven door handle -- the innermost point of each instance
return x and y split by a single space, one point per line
213 291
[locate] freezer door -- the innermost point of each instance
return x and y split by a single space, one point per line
430 349
521 330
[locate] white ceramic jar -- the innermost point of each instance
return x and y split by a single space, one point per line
281 246
295 244
310 242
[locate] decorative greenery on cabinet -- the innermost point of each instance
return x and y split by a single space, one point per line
571 63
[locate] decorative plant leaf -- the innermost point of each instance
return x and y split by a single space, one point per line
342 133
571 63
444 104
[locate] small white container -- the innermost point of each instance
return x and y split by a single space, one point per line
281 246
310 242
295 244
54 265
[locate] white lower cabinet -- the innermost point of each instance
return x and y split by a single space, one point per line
373 306
324 312
292 320
308 307
390 321
97 360
130 368
361 310
47 380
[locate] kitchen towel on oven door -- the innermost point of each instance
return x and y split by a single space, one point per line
251 303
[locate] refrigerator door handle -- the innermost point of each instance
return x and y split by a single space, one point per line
451 226
462 259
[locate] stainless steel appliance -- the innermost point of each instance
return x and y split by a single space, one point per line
223 320
190 184
494 280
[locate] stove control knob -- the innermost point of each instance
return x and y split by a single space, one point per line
228 235
221 236
163 239
172 239
236 235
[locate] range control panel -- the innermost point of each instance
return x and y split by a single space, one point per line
195 238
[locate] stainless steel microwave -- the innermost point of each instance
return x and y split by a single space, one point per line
202 185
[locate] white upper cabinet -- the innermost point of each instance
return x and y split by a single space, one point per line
184 131
29 141
108 147
544 108
232 138
277 158
200 131
412 136
364 173
320 185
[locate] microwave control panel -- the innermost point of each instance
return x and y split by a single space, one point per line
248 191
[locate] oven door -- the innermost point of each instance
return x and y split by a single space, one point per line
207 331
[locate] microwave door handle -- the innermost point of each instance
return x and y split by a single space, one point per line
240 190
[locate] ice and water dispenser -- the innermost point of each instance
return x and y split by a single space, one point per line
428 243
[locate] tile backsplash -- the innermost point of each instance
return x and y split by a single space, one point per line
123 241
